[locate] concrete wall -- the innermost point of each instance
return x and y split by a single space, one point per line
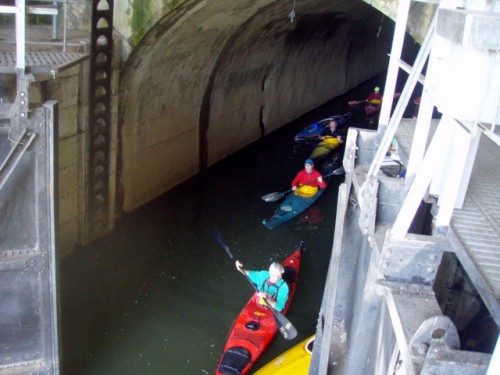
205 79
67 88
214 76
70 161
134 18
420 16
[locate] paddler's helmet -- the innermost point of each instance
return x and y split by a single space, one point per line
377 89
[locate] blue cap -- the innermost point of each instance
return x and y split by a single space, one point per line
309 161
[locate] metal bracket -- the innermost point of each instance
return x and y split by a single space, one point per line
22 98
434 331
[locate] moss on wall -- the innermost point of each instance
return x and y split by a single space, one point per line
141 21
143 14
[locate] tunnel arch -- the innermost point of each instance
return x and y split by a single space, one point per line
213 77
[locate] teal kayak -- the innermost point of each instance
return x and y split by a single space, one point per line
293 205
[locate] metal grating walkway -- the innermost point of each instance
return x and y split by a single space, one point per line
477 225
404 135
41 62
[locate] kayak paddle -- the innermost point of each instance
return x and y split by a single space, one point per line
354 103
286 328
272 197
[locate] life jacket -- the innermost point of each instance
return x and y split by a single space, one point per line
331 140
306 191
375 98
271 289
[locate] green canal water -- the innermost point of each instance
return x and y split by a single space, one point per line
158 295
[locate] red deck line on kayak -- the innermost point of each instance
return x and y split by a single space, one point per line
241 334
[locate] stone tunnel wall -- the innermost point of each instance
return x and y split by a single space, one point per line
214 76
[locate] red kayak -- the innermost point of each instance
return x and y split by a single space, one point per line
372 108
255 326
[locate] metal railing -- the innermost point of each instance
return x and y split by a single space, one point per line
50 8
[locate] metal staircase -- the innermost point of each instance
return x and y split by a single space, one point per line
442 160
392 319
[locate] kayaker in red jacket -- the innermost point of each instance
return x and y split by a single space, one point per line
308 176
375 97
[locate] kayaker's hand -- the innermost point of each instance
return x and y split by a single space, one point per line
239 266
269 301
320 179
340 139
294 188
262 295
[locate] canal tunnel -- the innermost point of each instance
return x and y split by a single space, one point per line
212 77
187 86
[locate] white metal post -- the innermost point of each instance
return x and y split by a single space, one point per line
65 25
456 180
393 69
421 182
54 24
494 367
20 34
390 131
424 117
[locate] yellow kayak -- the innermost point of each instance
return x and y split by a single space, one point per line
294 361
324 148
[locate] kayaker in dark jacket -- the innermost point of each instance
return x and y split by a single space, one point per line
270 284
331 131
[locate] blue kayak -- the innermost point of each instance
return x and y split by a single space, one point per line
293 204
313 131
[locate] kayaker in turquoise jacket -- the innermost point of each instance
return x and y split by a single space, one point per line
270 284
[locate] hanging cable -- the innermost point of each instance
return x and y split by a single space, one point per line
380 26
291 15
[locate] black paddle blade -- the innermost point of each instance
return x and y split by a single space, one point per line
338 171
221 241
272 197
286 328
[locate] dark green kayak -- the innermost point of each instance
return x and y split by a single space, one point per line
293 204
